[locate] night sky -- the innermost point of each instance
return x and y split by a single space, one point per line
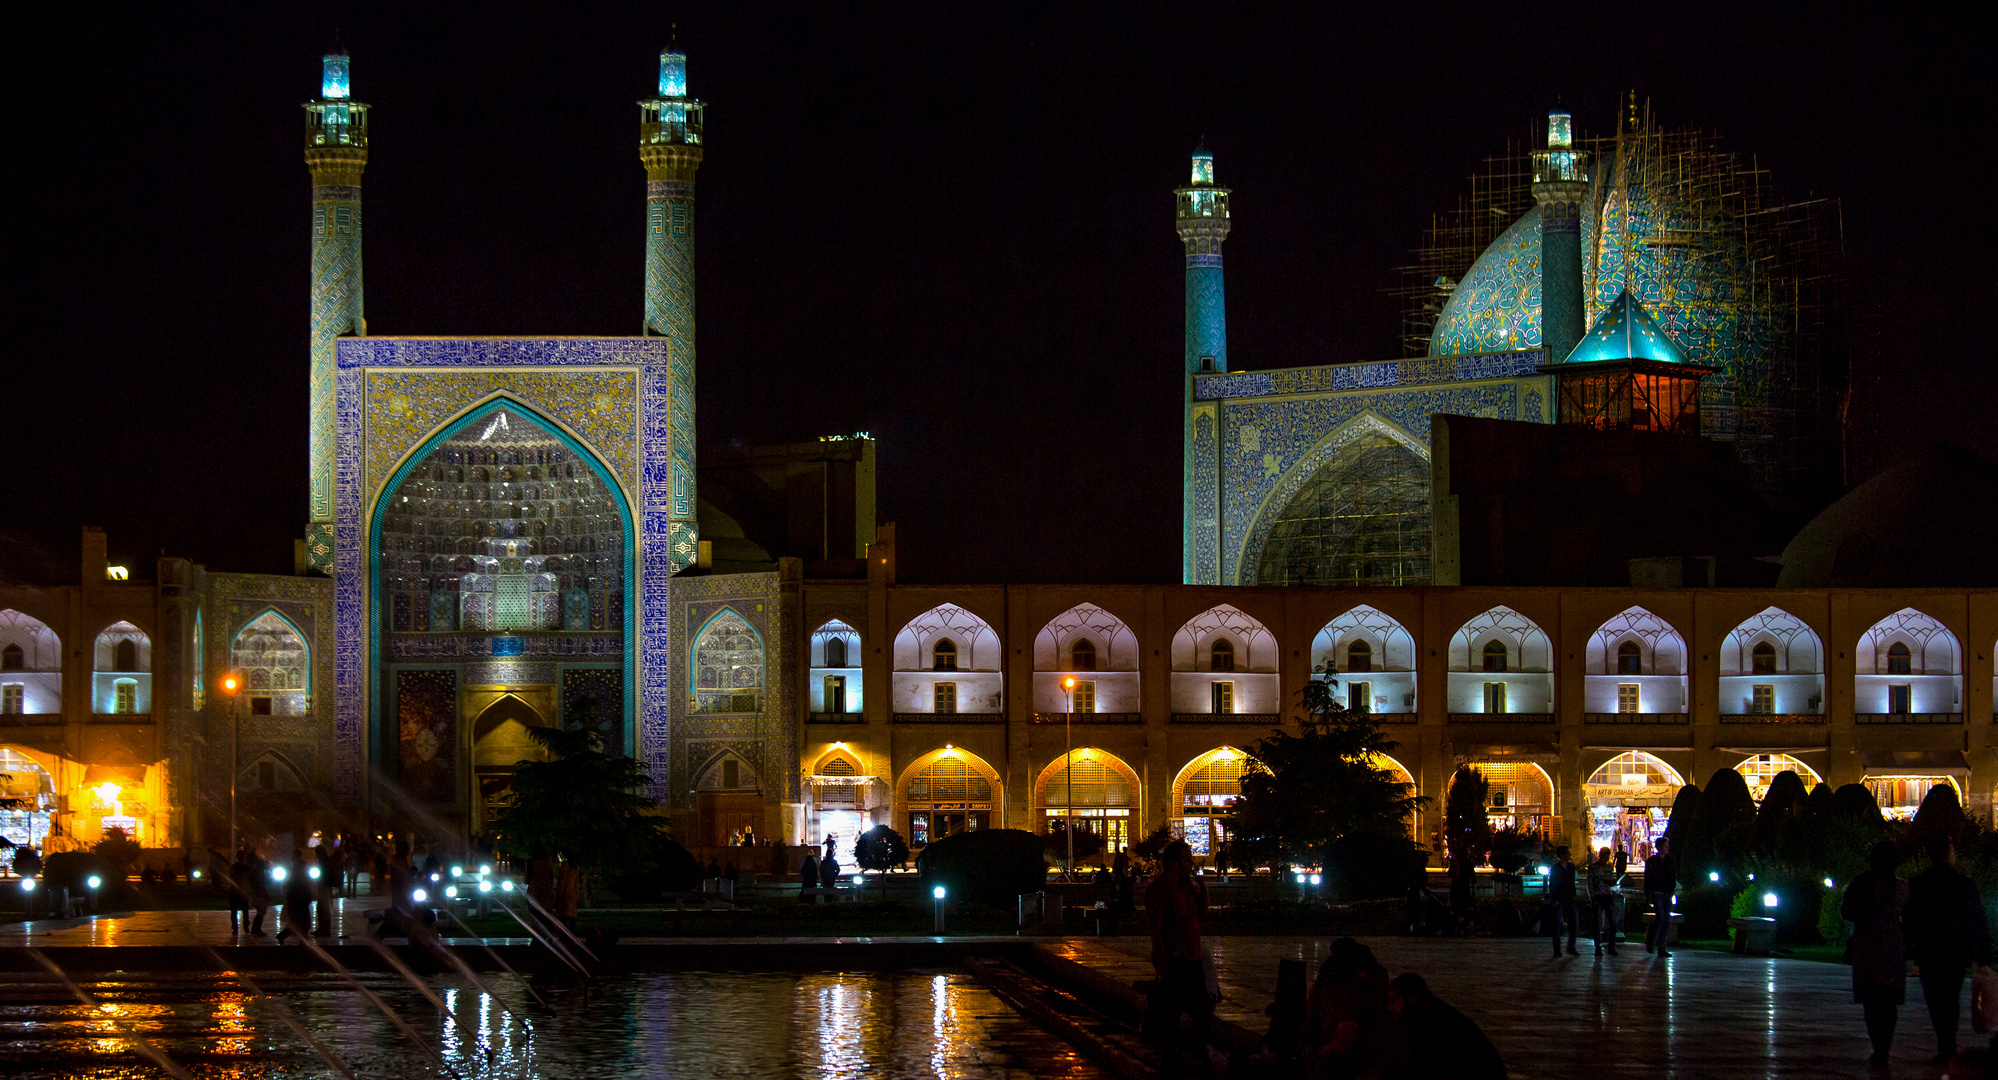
946 224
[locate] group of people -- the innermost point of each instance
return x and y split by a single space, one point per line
817 872
254 885
1935 920
1356 1023
1605 882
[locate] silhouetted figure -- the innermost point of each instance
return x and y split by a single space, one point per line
829 871
239 892
1603 897
1874 901
322 890
1661 883
257 882
1347 1025
1561 902
1946 933
714 869
1174 904
808 874
1442 1043
298 888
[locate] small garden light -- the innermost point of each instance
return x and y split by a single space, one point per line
485 886
451 891
418 895
938 892
312 872
1544 871
1713 875
1769 899
1300 879
457 871
1315 879
1751 877
195 874
27 884
506 886
94 881
435 877
484 869
277 873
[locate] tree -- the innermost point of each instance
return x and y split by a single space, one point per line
1784 804
1303 793
989 866
583 806
1088 845
1941 814
880 848
1467 831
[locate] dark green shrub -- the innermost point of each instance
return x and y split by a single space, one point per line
990 866
1369 866
666 867
72 870
880 848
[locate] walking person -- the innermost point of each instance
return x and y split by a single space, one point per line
1874 903
1174 906
239 893
1661 883
1946 933
1602 898
1561 903
257 883
322 892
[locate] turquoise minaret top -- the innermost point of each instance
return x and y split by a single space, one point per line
670 146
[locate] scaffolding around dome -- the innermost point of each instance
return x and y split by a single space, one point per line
1751 287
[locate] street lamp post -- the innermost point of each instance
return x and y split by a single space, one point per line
231 685
1068 773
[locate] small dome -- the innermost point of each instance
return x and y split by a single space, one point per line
1496 308
1626 332
1917 524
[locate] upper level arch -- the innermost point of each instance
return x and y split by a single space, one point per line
1374 656
1908 662
1224 631
837 675
121 670
1635 663
276 665
1097 650
947 660
30 665
728 665
1772 663
1501 662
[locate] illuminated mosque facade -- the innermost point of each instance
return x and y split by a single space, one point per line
514 540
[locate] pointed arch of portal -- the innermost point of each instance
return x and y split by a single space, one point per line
1248 556
381 746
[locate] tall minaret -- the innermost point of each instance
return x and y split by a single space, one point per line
1203 225
670 147
1560 183
336 150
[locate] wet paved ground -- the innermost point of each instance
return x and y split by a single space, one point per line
1697 1015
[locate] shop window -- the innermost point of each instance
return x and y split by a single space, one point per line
1495 658
1495 697
835 693
836 654
1360 697
1899 661
1629 660
1900 698
1082 657
919 830
944 655
125 656
1084 696
260 706
13 699
1221 657
1626 697
1224 698
125 696
1763 702
1763 659
12 659
1359 657
946 697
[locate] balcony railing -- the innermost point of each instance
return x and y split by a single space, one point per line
1772 718
835 718
1501 717
1907 718
1226 718
1634 718
1089 718
949 718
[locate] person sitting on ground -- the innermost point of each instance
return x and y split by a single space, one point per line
1346 1025
1442 1043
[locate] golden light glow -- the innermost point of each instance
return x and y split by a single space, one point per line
117 573
107 791
229 684
1068 683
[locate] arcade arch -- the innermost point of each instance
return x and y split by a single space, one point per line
1908 662
1772 664
836 679
948 791
30 665
947 660
276 665
1501 662
1095 647
1630 801
1225 661
1374 657
122 671
1636 663
1100 789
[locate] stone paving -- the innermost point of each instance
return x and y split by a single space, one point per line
1695 1015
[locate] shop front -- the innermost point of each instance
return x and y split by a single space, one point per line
951 792
1630 799
1519 795
1901 779
1204 795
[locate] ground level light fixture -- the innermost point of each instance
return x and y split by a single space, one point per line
418 895
94 881
27 884
1769 899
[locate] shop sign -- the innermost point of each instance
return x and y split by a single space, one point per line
1633 795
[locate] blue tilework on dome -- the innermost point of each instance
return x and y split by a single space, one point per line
1496 307
1625 332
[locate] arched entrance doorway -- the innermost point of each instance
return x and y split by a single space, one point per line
1521 796
27 800
500 743
1630 802
1203 795
1103 798
949 791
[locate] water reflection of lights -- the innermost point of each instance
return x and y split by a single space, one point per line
232 1018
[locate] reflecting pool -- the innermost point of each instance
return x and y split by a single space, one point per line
940 1024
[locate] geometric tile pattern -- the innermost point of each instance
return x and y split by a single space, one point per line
669 311
769 739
